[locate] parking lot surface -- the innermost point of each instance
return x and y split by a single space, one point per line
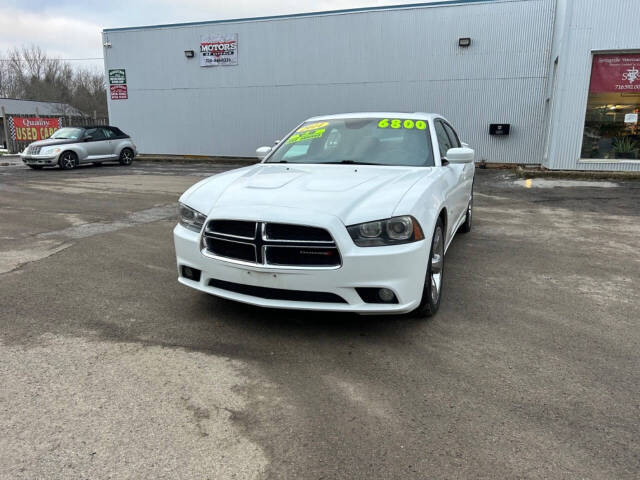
111 369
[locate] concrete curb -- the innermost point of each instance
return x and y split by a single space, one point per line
578 174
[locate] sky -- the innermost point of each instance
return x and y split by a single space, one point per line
71 28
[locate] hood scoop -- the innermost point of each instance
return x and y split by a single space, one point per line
272 178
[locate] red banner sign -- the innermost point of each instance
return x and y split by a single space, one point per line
118 92
615 73
33 128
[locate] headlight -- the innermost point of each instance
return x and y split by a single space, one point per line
190 218
392 231
49 150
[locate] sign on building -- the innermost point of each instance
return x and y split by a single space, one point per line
218 50
117 76
615 73
32 128
118 92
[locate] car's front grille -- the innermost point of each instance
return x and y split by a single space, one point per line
277 293
33 150
276 244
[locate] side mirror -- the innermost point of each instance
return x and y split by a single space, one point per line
461 155
87 138
262 152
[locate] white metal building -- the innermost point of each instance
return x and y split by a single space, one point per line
523 63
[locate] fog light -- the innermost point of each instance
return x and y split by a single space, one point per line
386 295
191 273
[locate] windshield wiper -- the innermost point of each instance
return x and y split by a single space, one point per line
349 162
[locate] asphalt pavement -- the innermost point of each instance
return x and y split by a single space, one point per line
111 369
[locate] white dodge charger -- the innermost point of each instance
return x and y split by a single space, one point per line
350 212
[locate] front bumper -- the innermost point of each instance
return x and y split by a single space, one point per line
51 159
400 268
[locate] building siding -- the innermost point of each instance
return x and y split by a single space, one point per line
589 26
292 68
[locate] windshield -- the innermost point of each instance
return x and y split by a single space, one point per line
374 141
68 133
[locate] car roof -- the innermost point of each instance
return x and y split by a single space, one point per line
410 115
86 127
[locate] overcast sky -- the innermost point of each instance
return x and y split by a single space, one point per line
71 28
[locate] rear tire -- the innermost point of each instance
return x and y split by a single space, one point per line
68 160
36 167
126 156
433 283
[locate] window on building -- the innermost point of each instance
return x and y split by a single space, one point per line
611 129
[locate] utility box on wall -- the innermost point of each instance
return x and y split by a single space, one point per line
499 128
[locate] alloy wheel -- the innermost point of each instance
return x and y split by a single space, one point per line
127 157
437 263
68 161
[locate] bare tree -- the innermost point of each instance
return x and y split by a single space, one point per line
28 73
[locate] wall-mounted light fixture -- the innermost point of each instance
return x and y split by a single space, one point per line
189 53
464 42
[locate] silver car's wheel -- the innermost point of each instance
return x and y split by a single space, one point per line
67 160
126 156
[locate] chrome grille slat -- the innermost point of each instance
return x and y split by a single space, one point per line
314 251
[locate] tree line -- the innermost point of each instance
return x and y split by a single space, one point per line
29 74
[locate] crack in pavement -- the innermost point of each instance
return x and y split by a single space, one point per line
44 245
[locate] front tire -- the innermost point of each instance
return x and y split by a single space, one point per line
126 156
466 226
68 160
433 283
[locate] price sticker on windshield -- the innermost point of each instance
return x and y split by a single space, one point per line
407 124
312 126
308 135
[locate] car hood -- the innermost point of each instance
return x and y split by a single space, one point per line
52 141
353 193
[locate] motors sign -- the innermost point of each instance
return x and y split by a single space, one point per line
218 50
33 128
615 73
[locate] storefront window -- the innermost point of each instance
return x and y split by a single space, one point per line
611 129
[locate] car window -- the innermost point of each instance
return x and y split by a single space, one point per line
376 141
107 132
297 150
67 133
95 134
443 138
455 141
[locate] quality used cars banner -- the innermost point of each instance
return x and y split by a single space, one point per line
33 128
218 49
615 73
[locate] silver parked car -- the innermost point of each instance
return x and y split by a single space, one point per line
71 146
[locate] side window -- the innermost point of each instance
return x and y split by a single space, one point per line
443 138
95 134
108 133
455 141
